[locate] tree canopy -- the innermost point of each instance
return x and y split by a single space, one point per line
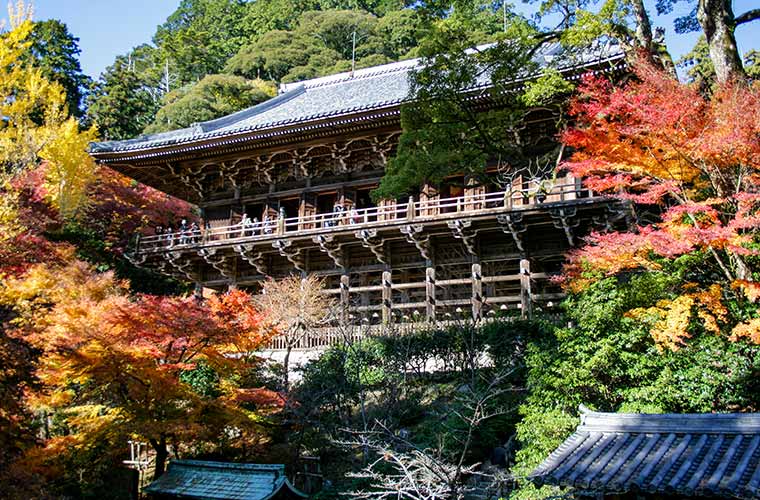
212 97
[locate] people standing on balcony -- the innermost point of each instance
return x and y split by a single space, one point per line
169 236
183 232
338 211
195 233
281 220
353 216
267 224
254 226
159 232
245 224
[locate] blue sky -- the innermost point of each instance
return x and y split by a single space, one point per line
107 28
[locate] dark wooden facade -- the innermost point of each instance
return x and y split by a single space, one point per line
453 251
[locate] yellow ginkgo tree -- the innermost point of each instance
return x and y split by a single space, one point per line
35 124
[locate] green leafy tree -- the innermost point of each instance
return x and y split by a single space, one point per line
401 31
443 134
274 55
609 361
214 96
56 52
322 43
263 16
199 37
121 102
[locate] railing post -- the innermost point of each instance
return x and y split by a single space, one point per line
410 209
430 291
387 307
525 291
344 298
137 242
477 293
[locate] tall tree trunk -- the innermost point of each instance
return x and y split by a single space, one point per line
717 20
162 454
643 27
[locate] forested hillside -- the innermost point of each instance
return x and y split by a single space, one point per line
212 57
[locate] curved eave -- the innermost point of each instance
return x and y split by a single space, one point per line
282 131
277 132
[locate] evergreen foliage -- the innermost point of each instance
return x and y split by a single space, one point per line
212 97
56 52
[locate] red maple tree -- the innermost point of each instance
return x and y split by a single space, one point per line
692 163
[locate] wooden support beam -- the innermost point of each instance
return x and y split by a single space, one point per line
254 258
332 248
513 225
415 235
430 292
387 297
525 291
477 292
564 218
345 298
462 230
376 245
290 252
182 265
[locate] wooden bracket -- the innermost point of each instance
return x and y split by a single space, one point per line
462 230
256 259
136 260
290 252
413 233
513 224
333 249
218 262
376 244
563 218
180 264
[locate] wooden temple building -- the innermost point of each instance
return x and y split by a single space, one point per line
285 187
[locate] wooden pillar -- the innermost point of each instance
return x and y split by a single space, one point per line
429 197
477 292
232 285
387 308
307 208
525 292
430 291
344 298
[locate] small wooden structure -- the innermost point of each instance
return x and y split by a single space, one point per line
624 455
284 187
222 481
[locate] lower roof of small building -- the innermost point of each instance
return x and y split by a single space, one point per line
712 455
221 480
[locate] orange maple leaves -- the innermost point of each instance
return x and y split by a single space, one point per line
692 163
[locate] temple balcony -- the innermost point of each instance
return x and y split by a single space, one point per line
466 257
456 213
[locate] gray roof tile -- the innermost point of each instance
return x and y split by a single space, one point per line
221 480
685 454
332 96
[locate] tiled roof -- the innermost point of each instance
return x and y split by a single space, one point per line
221 480
343 94
684 454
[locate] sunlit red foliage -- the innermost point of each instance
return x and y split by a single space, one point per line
693 164
111 361
121 206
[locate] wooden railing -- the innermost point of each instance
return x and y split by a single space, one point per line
322 338
358 219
